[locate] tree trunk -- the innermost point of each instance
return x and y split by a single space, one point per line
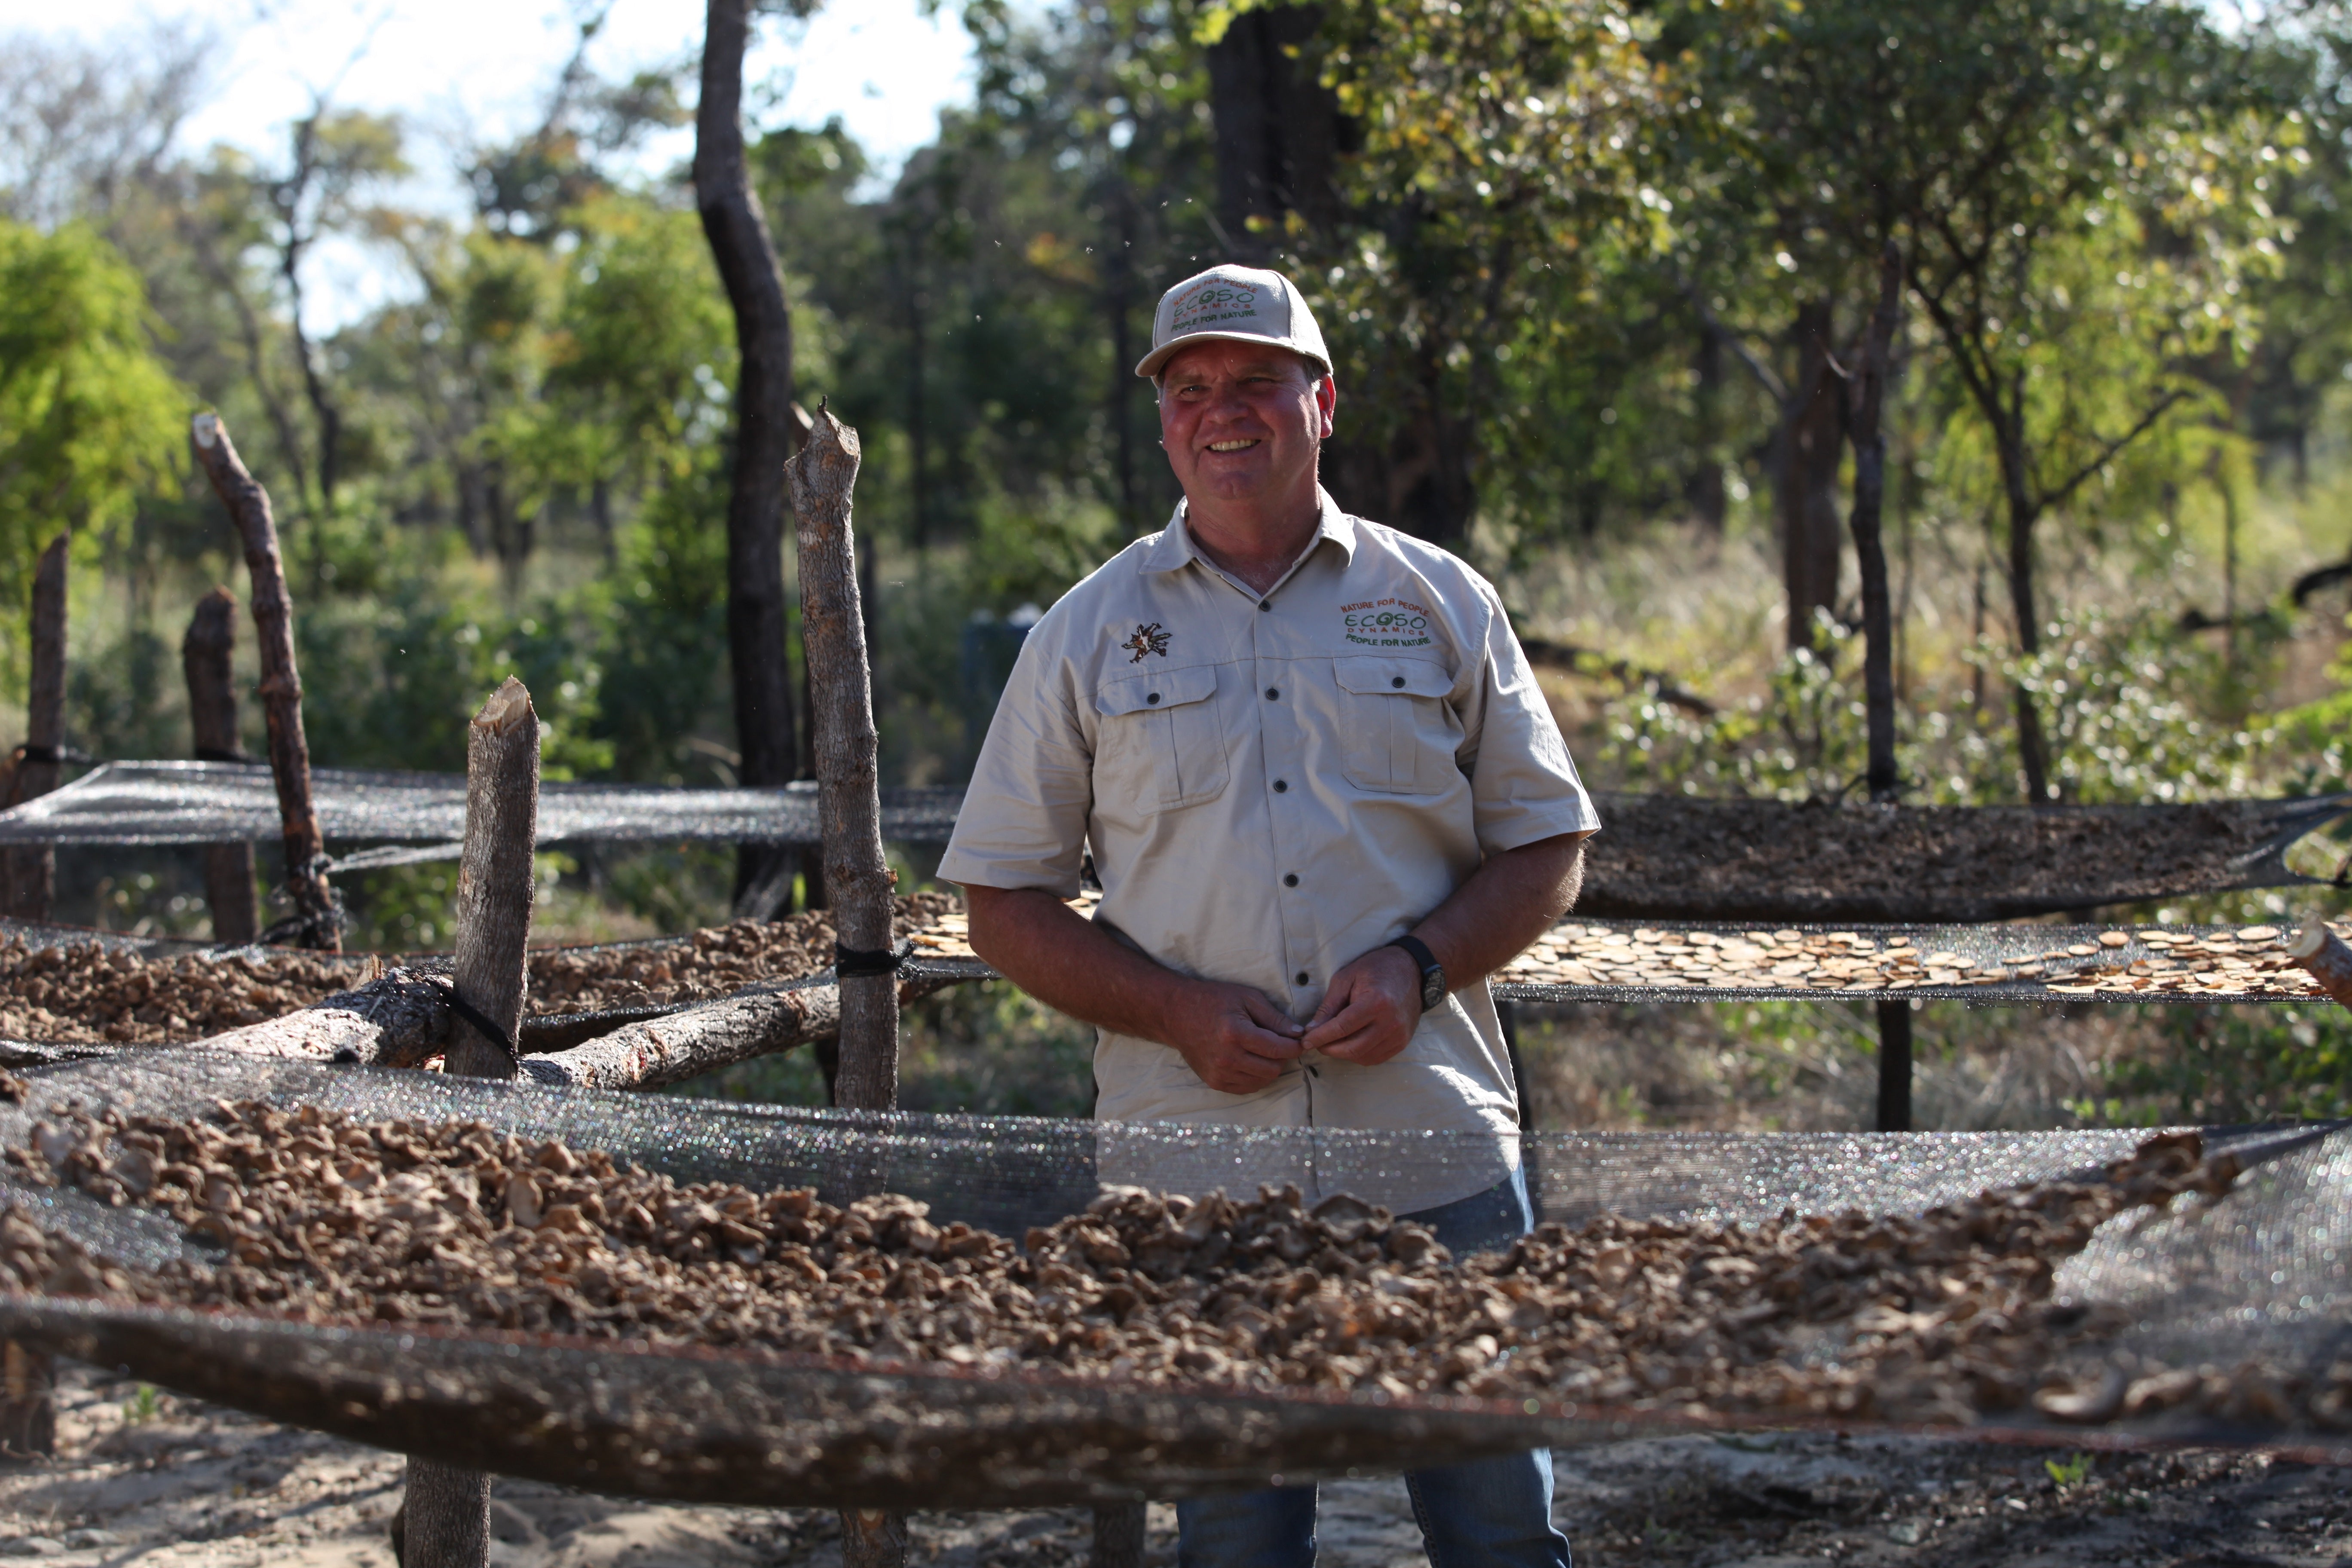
444 1518
1277 129
33 868
1704 488
1868 395
2033 750
28 1407
204 658
746 256
319 920
1808 504
856 877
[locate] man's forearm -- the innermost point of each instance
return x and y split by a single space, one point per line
1068 962
1508 902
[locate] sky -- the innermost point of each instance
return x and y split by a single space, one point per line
470 71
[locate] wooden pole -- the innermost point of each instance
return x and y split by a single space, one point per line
281 685
445 1516
33 868
204 658
764 425
850 810
2324 955
1118 1535
1894 1066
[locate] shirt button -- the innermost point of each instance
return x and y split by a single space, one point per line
1395 680
1281 786
1291 879
1154 696
1302 977
1265 604
1274 694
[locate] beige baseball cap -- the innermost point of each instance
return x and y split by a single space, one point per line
1234 304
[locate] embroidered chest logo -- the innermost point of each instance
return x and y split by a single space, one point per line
1386 623
1146 640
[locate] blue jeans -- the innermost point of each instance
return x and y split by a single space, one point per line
1488 1513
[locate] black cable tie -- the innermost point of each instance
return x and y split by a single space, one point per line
215 755
60 754
480 1020
863 962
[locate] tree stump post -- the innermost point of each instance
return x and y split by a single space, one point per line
320 922
205 659
444 1520
33 868
849 809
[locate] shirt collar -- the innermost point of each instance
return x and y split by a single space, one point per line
1173 548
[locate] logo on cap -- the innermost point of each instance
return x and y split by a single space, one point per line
1217 300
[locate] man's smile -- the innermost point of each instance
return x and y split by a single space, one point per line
1231 445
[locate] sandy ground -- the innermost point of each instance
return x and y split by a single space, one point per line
148 1478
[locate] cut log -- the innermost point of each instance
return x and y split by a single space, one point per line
319 923
2323 953
205 659
397 1020
444 1520
857 878
32 868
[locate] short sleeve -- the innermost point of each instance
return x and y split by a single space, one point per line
1023 822
1523 784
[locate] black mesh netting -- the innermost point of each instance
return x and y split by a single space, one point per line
2261 1271
215 803
1659 856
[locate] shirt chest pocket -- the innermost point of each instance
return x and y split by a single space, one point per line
1161 746
1398 736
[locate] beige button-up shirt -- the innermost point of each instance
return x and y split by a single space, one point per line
1271 786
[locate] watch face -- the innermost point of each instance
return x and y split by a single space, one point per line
1432 987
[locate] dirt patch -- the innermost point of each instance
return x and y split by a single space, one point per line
85 994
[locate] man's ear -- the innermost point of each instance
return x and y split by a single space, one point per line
1326 398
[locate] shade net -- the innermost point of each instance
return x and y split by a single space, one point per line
2259 1272
218 803
1659 857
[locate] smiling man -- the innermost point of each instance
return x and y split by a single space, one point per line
1325 800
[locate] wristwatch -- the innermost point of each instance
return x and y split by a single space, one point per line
1433 974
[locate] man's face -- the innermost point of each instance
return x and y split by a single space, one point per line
1243 421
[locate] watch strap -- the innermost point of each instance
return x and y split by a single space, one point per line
1418 951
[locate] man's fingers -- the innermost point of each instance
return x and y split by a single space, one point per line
1363 1012
1269 1017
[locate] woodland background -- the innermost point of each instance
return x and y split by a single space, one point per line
1593 272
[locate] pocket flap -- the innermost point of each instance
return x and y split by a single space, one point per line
1161 688
1392 677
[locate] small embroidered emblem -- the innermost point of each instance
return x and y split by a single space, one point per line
1146 640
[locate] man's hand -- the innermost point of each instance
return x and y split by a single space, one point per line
1370 1010
1232 1036
1236 1040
